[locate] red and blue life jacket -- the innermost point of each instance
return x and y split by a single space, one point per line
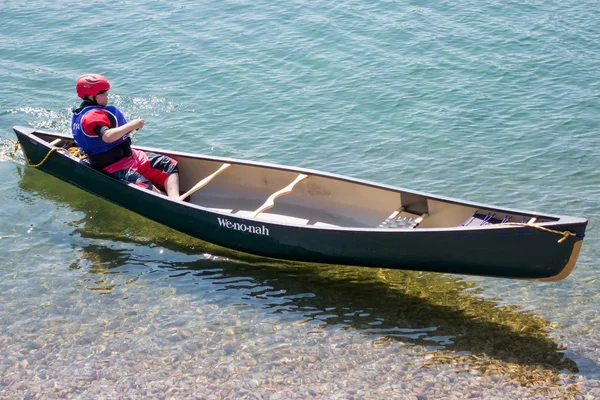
93 144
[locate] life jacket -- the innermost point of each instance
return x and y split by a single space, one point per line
93 144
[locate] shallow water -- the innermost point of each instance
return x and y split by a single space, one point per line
493 102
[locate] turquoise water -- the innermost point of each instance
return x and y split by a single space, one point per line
496 102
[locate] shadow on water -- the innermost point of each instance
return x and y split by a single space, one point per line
442 315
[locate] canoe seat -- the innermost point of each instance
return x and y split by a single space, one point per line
402 219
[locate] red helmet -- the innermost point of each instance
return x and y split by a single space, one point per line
91 85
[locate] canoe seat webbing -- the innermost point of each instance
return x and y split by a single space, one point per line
481 218
403 219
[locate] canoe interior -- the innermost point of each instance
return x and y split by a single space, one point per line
321 200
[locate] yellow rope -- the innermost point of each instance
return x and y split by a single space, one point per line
13 151
74 151
564 234
52 150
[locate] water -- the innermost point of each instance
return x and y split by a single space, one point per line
494 102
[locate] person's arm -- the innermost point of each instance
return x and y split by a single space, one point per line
97 123
117 133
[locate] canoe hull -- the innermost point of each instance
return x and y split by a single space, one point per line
500 251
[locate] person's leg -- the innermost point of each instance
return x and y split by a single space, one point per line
132 176
172 185
160 170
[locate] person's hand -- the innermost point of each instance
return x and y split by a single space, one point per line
138 123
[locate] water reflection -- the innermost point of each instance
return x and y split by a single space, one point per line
440 314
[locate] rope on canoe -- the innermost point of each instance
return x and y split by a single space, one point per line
13 151
74 151
564 234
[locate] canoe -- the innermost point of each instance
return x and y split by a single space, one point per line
304 215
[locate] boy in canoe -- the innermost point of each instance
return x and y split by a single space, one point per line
102 133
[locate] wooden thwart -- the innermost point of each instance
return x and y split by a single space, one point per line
56 141
271 200
204 181
420 219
